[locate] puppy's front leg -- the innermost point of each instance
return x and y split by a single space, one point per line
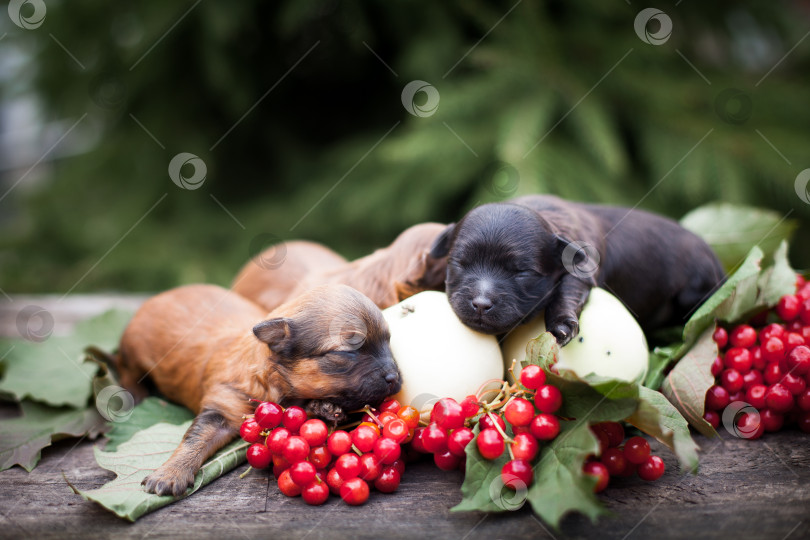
209 432
562 313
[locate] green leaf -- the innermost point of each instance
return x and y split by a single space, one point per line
660 358
149 412
686 385
560 486
482 489
658 417
52 371
22 439
733 230
777 280
147 450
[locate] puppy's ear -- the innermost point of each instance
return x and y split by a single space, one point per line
425 273
441 246
559 243
575 259
277 333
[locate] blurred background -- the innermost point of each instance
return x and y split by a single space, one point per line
298 119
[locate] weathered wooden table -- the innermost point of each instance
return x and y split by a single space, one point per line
745 489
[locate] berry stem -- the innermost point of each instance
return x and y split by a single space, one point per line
367 410
497 425
246 472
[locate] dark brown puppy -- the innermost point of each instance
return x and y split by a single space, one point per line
508 261
329 345
386 276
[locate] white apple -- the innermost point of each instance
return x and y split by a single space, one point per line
610 341
437 355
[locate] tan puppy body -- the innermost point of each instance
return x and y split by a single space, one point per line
329 345
386 276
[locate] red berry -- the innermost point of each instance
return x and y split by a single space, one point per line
629 471
314 431
458 441
779 398
339 443
410 416
792 341
517 474
548 399
519 412
293 418
287 486
302 473
250 430
370 467
652 469
364 437
738 358
771 331
388 481
717 398
752 378
396 430
446 461
732 380
279 462
805 312
434 439
525 447
602 437
743 336
390 405
315 493
448 414
532 377
803 400
756 395
259 456
803 421
470 407
348 466
794 384
798 360
268 414
320 457
486 422
490 443
788 307
295 449
613 459
354 491
720 337
545 427
757 359
717 366
385 417
773 373
770 420
636 450
750 426
417 444
598 471
387 450
334 481
712 418
614 430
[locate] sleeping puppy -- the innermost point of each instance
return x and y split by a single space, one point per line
386 276
509 261
211 350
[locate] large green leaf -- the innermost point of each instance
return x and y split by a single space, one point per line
53 371
147 450
482 491
149 412
22 439
733 230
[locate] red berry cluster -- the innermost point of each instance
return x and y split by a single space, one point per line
309 461
766 364
615 459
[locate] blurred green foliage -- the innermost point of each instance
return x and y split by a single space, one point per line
556 97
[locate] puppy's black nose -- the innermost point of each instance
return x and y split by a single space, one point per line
481 304
391 377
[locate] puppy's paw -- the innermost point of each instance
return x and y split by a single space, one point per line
168 481
564 331
326 411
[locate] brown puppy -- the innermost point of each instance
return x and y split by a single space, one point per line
195 343
386 276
